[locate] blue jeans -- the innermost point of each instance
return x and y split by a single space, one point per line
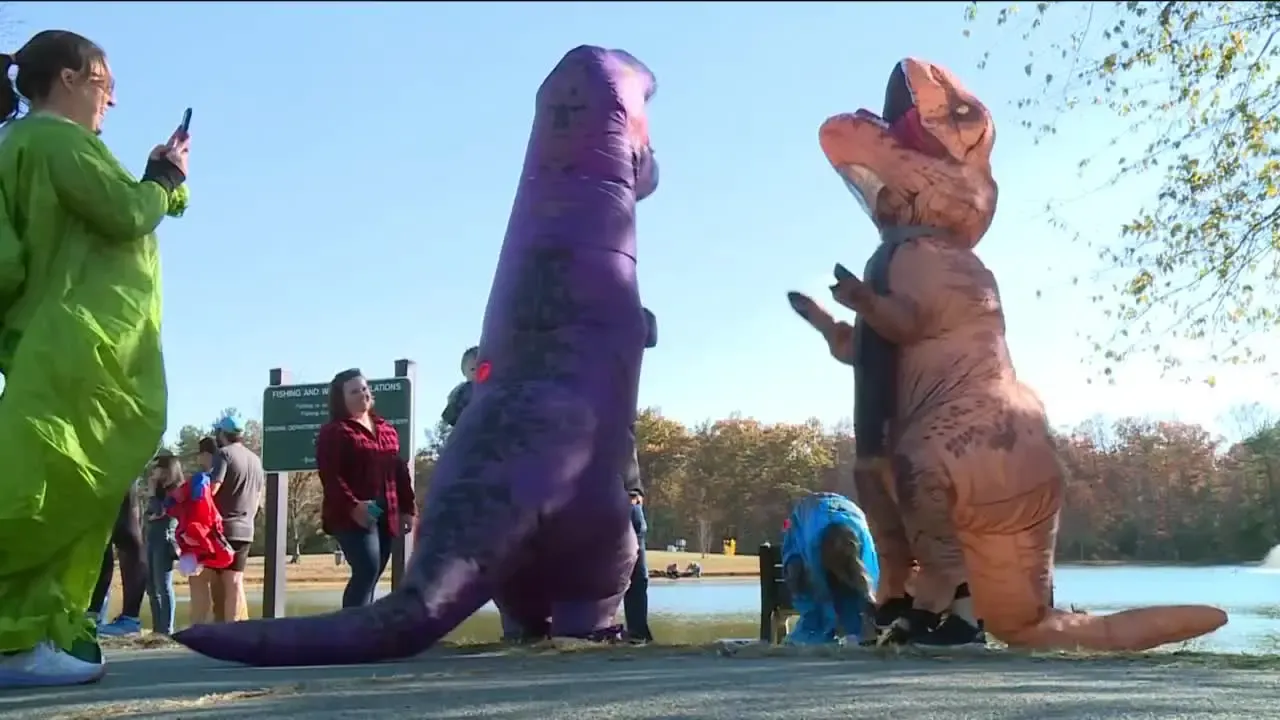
160 586
367 552
635 604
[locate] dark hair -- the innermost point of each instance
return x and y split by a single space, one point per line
208 445
338 403
39 64
171 466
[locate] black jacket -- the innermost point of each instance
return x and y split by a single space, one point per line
458 399
631 473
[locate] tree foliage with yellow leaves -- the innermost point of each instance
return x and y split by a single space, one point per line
1199 84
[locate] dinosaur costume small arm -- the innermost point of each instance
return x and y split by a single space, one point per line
973 487
528 482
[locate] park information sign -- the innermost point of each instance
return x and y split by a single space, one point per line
292 416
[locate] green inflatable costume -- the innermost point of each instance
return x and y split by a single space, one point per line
84 402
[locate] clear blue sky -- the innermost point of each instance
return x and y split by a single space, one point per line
353 166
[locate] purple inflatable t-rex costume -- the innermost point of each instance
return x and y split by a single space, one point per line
528 483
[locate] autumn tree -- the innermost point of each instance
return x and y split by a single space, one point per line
1136 489
303 512
663 448
1195 89
424 463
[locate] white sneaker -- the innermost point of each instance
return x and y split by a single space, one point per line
46 666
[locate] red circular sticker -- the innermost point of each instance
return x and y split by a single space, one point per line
482 371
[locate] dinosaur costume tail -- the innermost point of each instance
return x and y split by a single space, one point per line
1129 630
400 625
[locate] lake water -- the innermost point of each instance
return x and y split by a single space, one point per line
1250 595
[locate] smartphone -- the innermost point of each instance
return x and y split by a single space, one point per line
185 127
375 510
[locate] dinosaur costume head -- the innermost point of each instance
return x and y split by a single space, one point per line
596 97
926 161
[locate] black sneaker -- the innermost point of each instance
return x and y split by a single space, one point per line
953 631
909 627
891 610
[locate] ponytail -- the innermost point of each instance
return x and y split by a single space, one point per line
9 99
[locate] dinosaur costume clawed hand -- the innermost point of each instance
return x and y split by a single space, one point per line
956 467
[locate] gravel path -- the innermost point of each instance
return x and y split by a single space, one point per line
663 683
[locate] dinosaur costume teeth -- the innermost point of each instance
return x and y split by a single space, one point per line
528 483
956 469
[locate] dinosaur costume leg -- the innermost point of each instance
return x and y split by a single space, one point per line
872 481
530 474
924 498
550 595
523 606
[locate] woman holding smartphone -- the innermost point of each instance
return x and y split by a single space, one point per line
85 395
368 494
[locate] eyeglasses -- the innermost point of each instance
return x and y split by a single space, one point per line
105 83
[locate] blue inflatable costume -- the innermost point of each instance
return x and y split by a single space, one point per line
829 560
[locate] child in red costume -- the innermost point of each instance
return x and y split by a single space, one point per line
200 539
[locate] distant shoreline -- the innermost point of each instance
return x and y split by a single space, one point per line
1156 563
318 572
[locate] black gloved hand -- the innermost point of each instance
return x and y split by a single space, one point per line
161 171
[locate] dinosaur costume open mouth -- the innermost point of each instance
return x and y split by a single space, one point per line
900 123
902 116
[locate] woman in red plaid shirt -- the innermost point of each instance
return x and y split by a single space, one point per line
368 494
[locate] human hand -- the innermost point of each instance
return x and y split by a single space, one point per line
361 515
839 335
175 150
637 499
406 522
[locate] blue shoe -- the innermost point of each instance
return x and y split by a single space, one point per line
121 627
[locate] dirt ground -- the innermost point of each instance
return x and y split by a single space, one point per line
662 682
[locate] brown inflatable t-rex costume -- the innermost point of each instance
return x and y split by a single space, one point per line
972 486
